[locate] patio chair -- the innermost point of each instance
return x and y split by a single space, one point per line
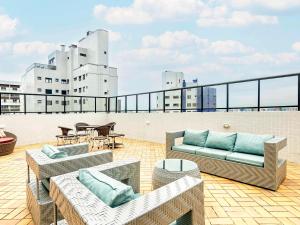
102 137
182 199
81 132
66 136
37 192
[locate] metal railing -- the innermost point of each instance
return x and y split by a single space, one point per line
201 107
142 102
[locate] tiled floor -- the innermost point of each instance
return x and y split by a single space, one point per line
226 202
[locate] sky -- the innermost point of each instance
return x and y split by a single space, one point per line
212 40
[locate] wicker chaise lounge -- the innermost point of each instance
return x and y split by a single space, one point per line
269 176
38 201
80 206
8 147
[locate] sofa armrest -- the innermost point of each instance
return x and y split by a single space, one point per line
170 138
44 167
272 147
75 149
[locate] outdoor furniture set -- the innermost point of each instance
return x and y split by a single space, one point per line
7 142
248 158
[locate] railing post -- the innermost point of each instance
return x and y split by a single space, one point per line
46 105
202 98
0 104
24 103
299 92
149 105
80 104
181 100
164 101
258 95
227 97
116 105
136 103
108 104
125 103
95 104
65 103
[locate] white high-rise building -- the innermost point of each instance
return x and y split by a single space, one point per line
10 100
81 70
191 97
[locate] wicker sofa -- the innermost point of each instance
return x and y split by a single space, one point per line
37 191
182 199
8 147
269 175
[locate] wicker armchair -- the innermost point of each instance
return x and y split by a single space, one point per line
7 148
182 199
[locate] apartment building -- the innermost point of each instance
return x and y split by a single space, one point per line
10 100
191 97
81 70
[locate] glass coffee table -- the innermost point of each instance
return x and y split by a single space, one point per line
169 170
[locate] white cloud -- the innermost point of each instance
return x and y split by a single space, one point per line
229 47
8 26
114 36
34 47
269 4
176 39
296 46
263 58
235 19
147 11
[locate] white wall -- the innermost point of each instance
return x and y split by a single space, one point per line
153 126
38 128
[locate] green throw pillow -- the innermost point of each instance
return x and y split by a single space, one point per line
251 143
220 140
192 137
109 190
53 153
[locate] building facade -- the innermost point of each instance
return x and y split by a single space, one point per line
11 101
80 70
191 97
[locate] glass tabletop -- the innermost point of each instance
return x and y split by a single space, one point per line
176 165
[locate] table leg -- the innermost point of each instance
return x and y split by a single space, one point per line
37 188
28 174
55 213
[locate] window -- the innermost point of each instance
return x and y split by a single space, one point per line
75 78
167 97
56 80
167 105
39 78
48 91
15 88
75 90
39 101
49 102
105 66
168 82
75 101
64 81
175 97
194 104
84 101
83 77
189 105
105 80
83 89
79 90
39 90
176 104
3 88
56 91
48 80
56 102
82 54
79 78
189 96
63 92
67 91
68 57
15 100
80 65
105 52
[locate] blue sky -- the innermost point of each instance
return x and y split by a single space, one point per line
208 39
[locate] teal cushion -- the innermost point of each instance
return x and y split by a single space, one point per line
185 148
213 153
254 160
192 137
220 140
109 190
251 143
53 153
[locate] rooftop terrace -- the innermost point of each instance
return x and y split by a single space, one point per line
226 201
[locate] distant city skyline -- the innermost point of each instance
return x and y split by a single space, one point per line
213 41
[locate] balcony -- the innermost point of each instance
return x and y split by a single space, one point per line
41 66
226 201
